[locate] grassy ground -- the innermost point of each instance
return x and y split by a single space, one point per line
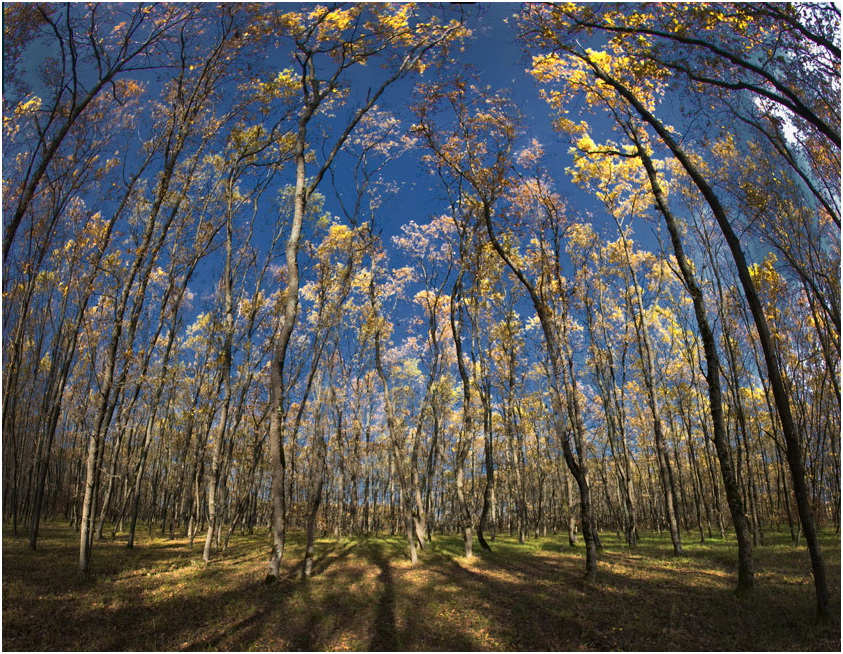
366 596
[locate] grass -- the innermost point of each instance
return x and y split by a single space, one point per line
366 596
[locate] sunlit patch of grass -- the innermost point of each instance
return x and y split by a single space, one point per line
366 595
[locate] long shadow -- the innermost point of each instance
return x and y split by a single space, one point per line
523 613
306 637
325 559
215 642
529 602
385 638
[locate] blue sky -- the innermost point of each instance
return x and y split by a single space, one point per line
500 62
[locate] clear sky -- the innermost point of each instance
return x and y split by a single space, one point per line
499 61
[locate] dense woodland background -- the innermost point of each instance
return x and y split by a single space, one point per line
305 269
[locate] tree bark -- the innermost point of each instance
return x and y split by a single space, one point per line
746 577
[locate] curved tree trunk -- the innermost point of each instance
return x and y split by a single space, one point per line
746 580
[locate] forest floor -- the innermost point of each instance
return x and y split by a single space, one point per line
365 595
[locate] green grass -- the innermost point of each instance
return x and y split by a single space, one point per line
366 596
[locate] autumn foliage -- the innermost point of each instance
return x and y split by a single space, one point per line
304 272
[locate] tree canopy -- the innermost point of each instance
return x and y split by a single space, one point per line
330 268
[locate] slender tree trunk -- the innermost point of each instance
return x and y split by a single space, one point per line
558 378
136 486
288 320
489 465
317 484
569 511
746 580
645 350
774 374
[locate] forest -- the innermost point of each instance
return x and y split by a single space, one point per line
446 294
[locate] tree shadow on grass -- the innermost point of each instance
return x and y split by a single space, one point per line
334 553
541 602
366 597
514 611
385 638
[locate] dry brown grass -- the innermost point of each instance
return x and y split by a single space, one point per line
366 596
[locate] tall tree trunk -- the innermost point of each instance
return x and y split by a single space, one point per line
774 374
225 368
464 508
746 579
489 465
645 350
561 375
317 483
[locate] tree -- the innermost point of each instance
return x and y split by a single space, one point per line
479 152
95 49
196 344
378 328
605 318
339 40
626 83
188 96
